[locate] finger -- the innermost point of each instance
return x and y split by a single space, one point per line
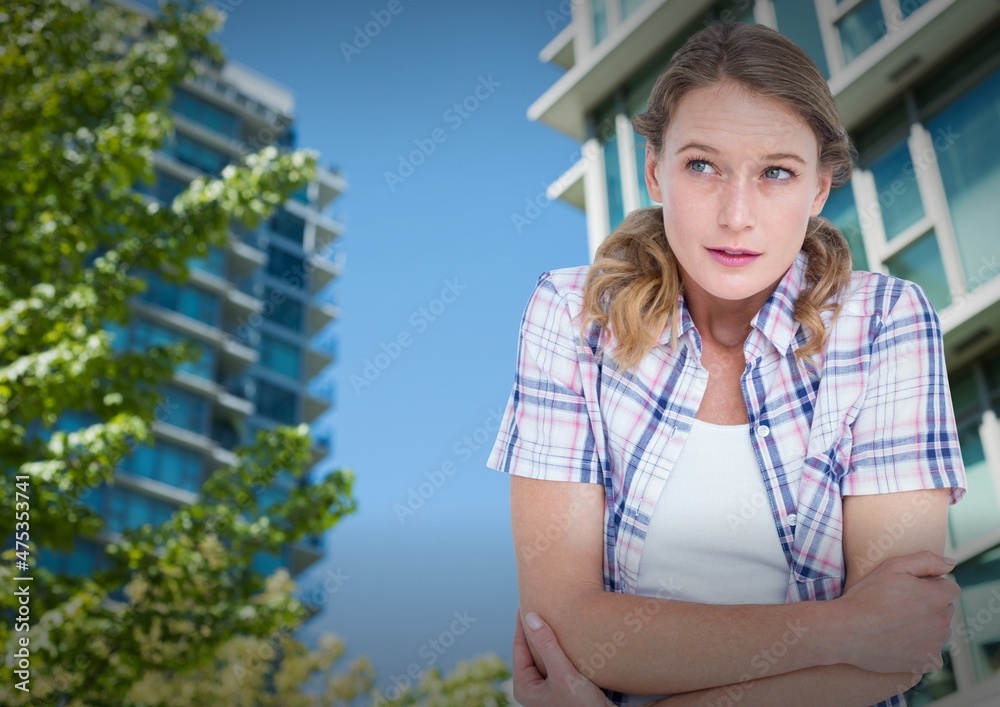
528 682
923 564
524 664
544 641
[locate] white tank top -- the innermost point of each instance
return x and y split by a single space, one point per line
712 537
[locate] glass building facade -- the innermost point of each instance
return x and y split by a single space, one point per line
251 311
918 84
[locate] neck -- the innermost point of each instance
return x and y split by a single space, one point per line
722 323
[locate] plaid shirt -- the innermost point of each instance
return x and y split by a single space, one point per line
873 416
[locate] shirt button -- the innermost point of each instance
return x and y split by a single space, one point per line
792 519
763 430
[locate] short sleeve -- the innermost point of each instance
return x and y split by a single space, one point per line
905 437
546 431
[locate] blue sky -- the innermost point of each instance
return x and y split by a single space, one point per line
435 281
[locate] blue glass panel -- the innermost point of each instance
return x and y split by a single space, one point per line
613 181
276 403
213 263
280 356
640 168
600 17
860 28
205 113
185 299
798 21
286 266
127 508
920 262
908 7
968 155
184 409
164 188
979 512
898 194
288 226
630 6
283 309
198 155
168 463
145 334
842 212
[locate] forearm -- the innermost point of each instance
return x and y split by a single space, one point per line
648 645
827 686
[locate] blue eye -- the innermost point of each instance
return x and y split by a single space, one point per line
778 173
700 166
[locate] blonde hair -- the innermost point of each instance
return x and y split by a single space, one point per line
634 286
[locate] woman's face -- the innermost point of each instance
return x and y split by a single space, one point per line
739 178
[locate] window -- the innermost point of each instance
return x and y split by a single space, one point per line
183 409
599 10
214 263
168 463
908 7
277 403
860 28
640 169
204 113
978 515
280 356
126 508
898 194
630 6
266 564
798 21
842 212
83 560
980 582
288 226
613 183
145 334
286 266
198 155
968 155
185 299
164 187
920 262
283 309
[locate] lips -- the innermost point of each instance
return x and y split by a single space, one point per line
733 257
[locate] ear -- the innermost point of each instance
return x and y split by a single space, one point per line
652 178
823 192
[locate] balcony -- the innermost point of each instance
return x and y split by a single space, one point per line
331 185
320 314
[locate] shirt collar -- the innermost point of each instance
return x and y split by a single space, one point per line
775 320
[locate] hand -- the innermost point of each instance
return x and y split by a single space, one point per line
899 615
563 685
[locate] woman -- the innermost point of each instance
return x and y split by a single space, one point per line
718 424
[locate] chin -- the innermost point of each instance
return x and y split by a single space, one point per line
737 291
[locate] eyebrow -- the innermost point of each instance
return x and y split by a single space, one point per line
772 156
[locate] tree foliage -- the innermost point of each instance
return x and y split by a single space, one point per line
175 612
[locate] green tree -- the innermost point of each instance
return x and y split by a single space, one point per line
85 89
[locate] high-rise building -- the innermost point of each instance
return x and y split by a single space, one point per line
918 85
256 309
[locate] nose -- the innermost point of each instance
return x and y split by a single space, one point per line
736 208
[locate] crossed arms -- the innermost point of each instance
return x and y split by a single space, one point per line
873 642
